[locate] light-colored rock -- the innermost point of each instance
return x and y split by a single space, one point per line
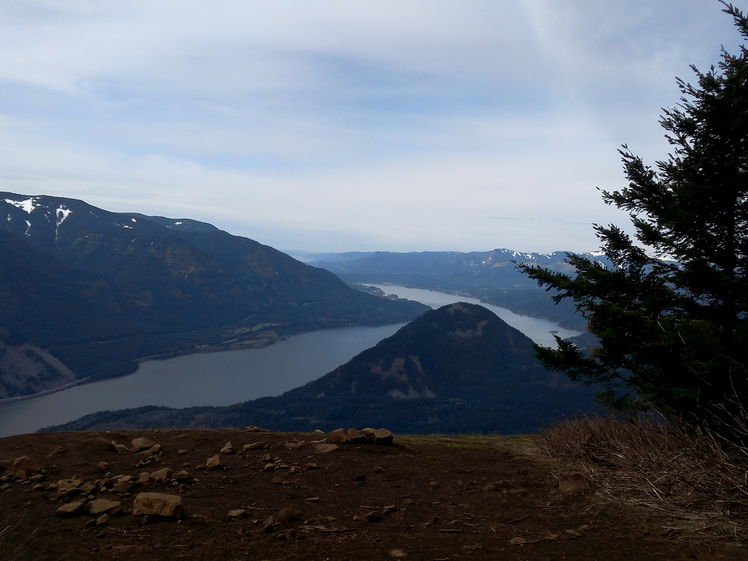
103 466
254 446
120 449
103 520
157 504
214 462
143 478
155 449
228 448
237 514
68 486
378 436
161 475
288 514
72 508
182 475
325 448
572 482
97 507
23 467
339 435
141 443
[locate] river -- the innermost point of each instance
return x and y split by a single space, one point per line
223 378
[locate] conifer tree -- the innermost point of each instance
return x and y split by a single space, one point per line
670 311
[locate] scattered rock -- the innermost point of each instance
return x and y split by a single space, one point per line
148 460
389 508
374 516
182 475
103 520
97 507
237 514
325 448
161 475
57 451
254 446
143 478
155 449
294 444
123 483
214 462
157 504
72 508
339 435
67 486
252 428
141 443
398 553
288 514
433 484
23 467
573 482
120 449
228 448
355 436
103 466
182 452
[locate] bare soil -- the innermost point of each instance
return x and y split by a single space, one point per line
431 498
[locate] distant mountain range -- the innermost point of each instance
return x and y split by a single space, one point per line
85 292
456 369
491 276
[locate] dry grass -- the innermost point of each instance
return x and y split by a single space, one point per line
695 478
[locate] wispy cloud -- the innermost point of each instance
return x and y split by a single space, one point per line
346 125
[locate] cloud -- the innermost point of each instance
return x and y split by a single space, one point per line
400 125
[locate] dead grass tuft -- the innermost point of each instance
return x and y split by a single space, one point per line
695 478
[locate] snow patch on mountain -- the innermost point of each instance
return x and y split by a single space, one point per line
26 205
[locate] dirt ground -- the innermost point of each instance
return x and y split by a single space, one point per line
429 498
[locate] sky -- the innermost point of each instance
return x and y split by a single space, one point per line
348 125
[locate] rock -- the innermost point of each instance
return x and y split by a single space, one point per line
155 449
356 436
398 553
236 514
214 462
572 482
387 509
288 514
122 486
143 478
148 460
182 452
120 449
228 448
383 436
97 507
161 475
141 443
103 520
157 504
23 467
325 448
339 435
182 475
294 444
254 446
252 428
68 486
72 508
433 484
56 452
374 516
103 466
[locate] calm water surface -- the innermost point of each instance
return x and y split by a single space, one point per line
220 378
539 330
229 377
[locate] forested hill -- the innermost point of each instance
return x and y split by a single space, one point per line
98 289
489 275
453 370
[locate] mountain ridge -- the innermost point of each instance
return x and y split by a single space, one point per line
99 289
